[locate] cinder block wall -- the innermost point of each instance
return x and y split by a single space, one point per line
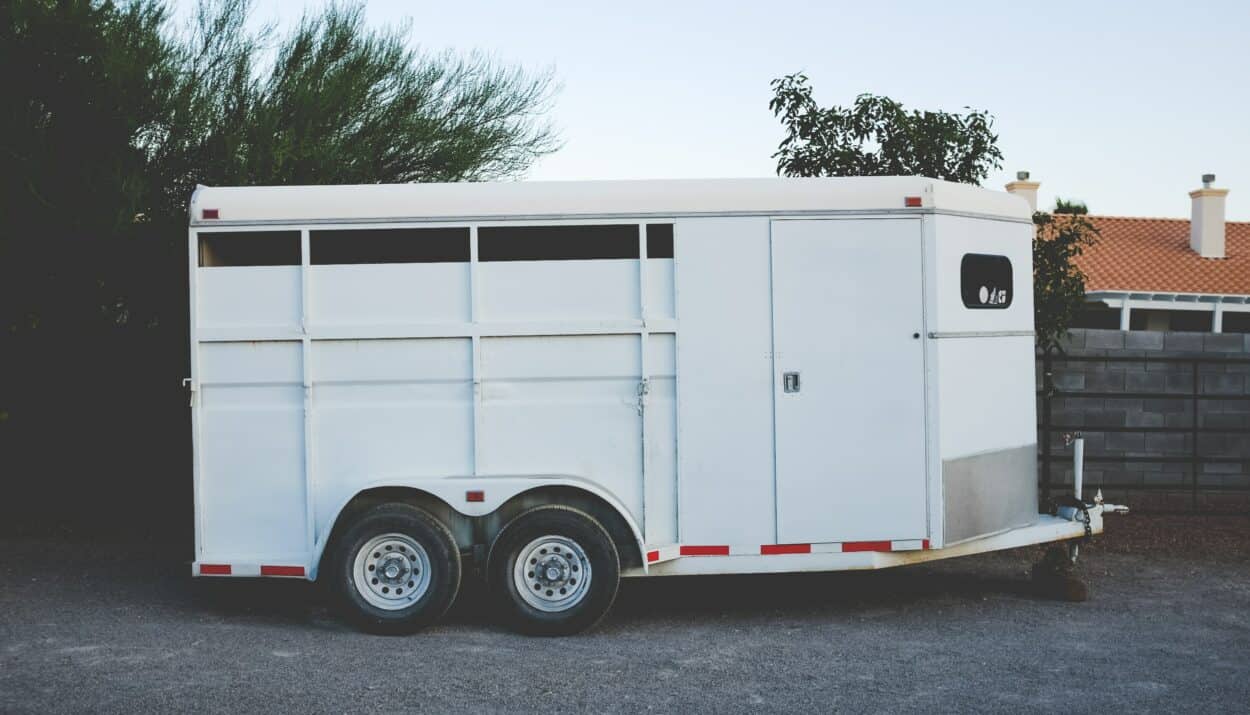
1145 484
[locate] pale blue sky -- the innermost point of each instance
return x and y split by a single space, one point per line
1123 105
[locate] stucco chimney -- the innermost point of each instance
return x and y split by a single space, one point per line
1024 188
1206 222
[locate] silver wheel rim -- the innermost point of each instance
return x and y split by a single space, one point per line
552 573
391 571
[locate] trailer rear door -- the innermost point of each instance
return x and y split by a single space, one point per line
849 384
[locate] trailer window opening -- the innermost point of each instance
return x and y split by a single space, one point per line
249 248
389 245
985 281
659 240
557 243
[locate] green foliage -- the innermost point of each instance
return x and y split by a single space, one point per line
1058 284
84 82
342 103
1070 206
110 117
877 136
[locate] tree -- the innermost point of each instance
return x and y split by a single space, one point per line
1058 284
110 117
343 103
1070 206
879 137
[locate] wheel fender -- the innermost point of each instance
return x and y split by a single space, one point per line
476 496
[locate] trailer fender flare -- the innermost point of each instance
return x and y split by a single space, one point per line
475 497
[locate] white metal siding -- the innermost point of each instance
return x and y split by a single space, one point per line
985 393
389 409
985 382
564 405
652 378
724 388
396 294
570 199
252 449
848 319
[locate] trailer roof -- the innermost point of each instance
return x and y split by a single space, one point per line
592 199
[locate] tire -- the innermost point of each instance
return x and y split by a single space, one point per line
580 583
395 570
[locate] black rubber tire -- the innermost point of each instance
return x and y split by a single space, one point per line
564 521
439 545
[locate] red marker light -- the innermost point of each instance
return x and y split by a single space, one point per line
209 213
912 202
475 495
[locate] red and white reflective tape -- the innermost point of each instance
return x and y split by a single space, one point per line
665 553
250 570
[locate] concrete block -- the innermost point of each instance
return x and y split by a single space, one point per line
1223 384
1165 367
1165 405
1123 477
1144 419
1176 479
1226 421
1073 402
1104 339
1213 445
1179 383
1142 381
1105 381
1185 342
1223 343
1125 441
1143 340
1180 419
1068 380
1104 418
1165 444
1235 469
1230 407
1128 404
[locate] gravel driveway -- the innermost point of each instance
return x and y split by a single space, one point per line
122 628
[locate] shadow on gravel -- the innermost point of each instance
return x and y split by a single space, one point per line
840 591
146 576
642 600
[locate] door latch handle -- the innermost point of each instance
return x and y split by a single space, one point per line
789 382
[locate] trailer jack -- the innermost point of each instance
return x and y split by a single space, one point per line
1054 576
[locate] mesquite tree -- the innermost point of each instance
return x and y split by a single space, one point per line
111 114
877 136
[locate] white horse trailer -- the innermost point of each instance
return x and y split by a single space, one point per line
565 383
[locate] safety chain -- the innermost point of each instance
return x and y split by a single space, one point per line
1069 500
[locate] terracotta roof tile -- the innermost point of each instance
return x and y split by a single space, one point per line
1153 254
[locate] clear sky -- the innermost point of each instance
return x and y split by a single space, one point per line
1121 104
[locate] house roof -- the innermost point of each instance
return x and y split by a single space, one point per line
1153 255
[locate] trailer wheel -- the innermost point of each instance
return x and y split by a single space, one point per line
396 570
555 571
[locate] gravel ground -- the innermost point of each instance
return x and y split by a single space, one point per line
122 628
